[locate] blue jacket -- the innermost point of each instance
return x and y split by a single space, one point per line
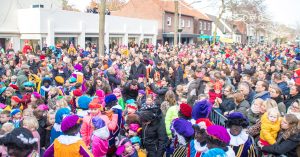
263 95
284 88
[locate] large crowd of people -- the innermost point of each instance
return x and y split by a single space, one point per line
144 100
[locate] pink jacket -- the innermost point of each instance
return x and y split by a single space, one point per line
86 130
100 147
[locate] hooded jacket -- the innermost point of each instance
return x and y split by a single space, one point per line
263 95
269 130
154 134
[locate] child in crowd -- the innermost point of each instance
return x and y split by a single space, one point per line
149 103
8 127
50 123
16 117
136 142
27 113
4 117
56 130
32 124
126 149
270 126
134 130
100 137
83 105
118 93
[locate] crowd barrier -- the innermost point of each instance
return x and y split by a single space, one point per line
217 118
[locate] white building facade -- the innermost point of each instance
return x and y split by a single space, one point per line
53 25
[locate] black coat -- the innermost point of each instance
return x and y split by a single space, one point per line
227 104
113 80
162 72
287 147
136 71
129 93
291 99
178 76
154 134
42 130
160 91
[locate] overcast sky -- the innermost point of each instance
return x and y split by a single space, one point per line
283 11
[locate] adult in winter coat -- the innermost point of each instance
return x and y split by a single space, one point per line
276 94
22 76
158 69
113 80
288 140
242 105
131 90
137 69
154 132
294 95
227 101
160 89
192 87
178 73
261 88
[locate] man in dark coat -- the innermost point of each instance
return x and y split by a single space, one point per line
178 73
158 69
154 132
131 90
137 69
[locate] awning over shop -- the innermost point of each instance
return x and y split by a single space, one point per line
182 35
208 37
226 40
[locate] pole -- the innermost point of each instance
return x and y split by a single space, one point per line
179 26
176 23
101 10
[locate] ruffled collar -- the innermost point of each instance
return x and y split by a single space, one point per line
200 148
239 139
68 140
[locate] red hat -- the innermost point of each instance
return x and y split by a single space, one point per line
15 87
77 92
185 109
94 105
204 121
297 71
297 81
16 99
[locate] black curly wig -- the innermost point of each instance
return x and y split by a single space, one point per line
237 122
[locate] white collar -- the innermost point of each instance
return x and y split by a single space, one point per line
57 127
199 148
230 152
68 140
239 139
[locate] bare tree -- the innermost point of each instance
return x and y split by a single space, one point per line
67 6
102 7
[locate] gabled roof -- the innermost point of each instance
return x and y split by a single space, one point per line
169 6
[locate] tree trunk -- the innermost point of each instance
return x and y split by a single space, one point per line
102 7
218 20
176 23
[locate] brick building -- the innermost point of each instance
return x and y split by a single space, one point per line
192 22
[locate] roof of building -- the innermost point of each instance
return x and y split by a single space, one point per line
184 7
150 6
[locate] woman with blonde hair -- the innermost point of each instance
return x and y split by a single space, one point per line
170 100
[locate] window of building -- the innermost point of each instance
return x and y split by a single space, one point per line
200 25
204 28
208 26
169 21
188 23
182 23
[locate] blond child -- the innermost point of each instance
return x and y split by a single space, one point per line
50 123
8 127
270 126
32 124
28 113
